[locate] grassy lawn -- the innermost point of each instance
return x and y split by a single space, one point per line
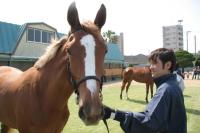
136 103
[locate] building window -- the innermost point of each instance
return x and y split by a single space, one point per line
44 36
179 33
106 65
30 34
180 39
167 39
50 36
39 36
180 44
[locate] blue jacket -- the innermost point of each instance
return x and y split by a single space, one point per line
165 113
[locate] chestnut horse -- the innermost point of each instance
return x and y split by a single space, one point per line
35 101
139 74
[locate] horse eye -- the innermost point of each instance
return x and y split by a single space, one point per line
106 49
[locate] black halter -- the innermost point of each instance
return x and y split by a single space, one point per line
76 84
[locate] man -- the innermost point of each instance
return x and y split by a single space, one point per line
179 77
194 73
198 71
166 111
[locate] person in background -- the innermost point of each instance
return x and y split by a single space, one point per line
178 71
198 72
194 73
180 77
188 74
165 113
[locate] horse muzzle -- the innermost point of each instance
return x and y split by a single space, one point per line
89 116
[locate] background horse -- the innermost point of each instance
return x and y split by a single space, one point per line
35 101
139 74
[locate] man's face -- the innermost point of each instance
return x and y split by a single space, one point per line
158 70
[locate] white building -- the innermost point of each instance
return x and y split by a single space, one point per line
120 42
173 37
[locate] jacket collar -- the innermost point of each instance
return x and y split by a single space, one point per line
160 80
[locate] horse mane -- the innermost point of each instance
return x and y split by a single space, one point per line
50 52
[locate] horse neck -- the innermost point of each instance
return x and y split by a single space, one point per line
55 81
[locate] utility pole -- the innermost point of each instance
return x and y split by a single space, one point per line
187 38
195 46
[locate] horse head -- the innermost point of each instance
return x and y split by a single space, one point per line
86 50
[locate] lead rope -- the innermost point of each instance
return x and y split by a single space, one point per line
106 124
104 120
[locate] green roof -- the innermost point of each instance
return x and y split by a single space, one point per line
9 34
114 54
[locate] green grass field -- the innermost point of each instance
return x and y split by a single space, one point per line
136 103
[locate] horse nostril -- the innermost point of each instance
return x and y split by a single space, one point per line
101 97
81 113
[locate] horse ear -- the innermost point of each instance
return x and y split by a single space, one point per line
73 18
101 16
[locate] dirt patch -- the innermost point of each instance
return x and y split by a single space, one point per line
192 83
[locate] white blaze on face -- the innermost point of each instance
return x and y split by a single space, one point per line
89 43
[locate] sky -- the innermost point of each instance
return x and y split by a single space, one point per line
141 21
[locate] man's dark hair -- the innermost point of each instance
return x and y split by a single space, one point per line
164 55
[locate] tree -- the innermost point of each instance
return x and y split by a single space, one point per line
110 36
197 61
184 58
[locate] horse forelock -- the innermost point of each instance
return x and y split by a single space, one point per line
90 27
50 52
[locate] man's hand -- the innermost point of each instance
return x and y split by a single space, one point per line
107 112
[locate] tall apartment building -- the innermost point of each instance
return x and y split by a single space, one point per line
120 42
173 37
